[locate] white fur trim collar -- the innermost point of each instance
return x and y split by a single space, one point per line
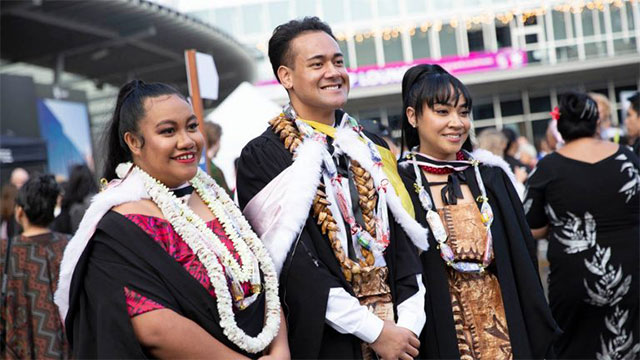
280 210
129 189
488 158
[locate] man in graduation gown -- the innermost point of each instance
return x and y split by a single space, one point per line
326 200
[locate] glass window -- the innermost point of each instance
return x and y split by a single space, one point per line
559 26
539 129
365 51
278 13
531 20
630 21
392 48
503 35
616 19
420 44
511 107
536 56
483 111
565 53
360 9
475 39
414 6
333 11
531 39
587 23
225 18
388 8
252 18
540 104
596 49
624 46
601 20
448 44
305 8
345 51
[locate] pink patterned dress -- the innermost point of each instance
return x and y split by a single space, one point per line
161 231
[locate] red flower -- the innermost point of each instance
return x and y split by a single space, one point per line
555 114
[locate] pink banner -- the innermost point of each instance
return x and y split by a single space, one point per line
392 73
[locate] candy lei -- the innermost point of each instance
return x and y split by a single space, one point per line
209 248
437 227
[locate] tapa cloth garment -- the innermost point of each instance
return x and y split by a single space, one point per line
532 329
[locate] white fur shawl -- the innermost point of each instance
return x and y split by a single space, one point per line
130 189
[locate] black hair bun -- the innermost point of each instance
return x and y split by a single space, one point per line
578 116
412 75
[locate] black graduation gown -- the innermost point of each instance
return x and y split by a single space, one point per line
311 268
531 325
121 254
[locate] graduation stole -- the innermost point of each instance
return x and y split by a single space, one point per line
293 133
389 165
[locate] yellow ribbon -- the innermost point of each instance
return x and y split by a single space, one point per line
389 166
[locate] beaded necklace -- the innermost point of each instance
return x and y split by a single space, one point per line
441 170
435 222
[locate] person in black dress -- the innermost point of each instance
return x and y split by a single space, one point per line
484 299
584 199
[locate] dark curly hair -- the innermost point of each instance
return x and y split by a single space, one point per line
279 44
578 116
38 197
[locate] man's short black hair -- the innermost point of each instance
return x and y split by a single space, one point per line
279 51
635 102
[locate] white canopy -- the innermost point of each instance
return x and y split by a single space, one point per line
243 115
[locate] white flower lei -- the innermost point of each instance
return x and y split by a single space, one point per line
208 247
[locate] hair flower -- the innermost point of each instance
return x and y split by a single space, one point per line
555 114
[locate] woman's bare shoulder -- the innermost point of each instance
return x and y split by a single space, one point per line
142 207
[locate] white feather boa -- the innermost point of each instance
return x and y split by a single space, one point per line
129 189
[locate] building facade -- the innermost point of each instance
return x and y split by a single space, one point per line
516 56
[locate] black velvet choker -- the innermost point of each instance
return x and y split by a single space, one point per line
182 191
